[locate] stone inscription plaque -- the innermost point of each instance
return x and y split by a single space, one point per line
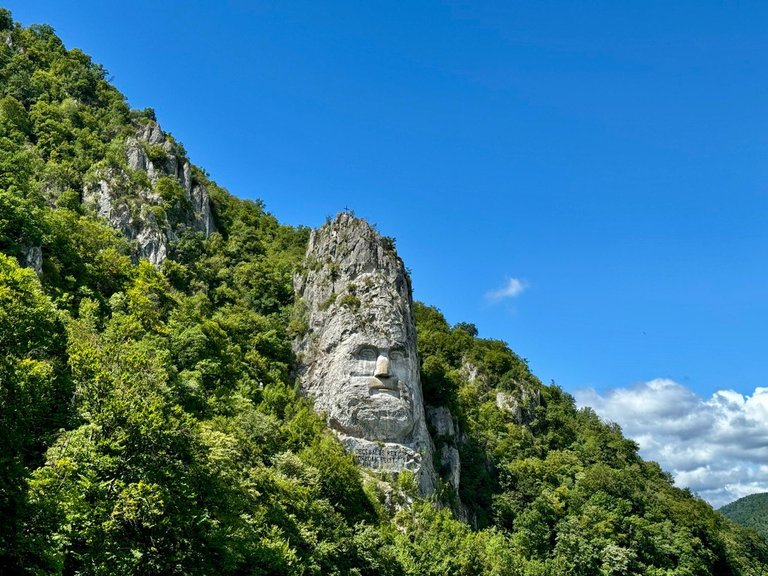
386 457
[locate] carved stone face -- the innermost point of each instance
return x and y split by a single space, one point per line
357 359
371 380
377 380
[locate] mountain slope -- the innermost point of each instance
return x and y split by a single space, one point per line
150 423
750 511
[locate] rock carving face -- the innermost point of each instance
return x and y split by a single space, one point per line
358 359
376 378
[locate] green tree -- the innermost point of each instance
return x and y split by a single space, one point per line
33 394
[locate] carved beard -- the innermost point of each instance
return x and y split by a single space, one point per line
374 409
383 416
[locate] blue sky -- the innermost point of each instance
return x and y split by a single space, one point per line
585 180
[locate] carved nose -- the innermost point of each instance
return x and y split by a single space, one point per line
382 367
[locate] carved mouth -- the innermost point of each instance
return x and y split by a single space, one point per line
387 385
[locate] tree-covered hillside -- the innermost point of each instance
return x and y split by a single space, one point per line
750 511
150 422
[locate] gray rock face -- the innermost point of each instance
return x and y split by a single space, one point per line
522 404
442 421
446 433
33 258
358 358
449 460
114 195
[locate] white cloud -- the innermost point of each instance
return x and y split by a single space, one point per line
717 446
512 289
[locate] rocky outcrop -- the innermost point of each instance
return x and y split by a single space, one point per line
442 421
153 196
358 358
445 432
444 428
33 258
521 403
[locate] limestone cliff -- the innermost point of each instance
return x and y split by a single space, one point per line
150 193
358 358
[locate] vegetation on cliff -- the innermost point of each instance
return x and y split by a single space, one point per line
149 423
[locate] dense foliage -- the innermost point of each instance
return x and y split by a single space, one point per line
750 511
149 423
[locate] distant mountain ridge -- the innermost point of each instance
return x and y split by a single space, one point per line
750 512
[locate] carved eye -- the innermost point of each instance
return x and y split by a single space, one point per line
367 353
397 355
